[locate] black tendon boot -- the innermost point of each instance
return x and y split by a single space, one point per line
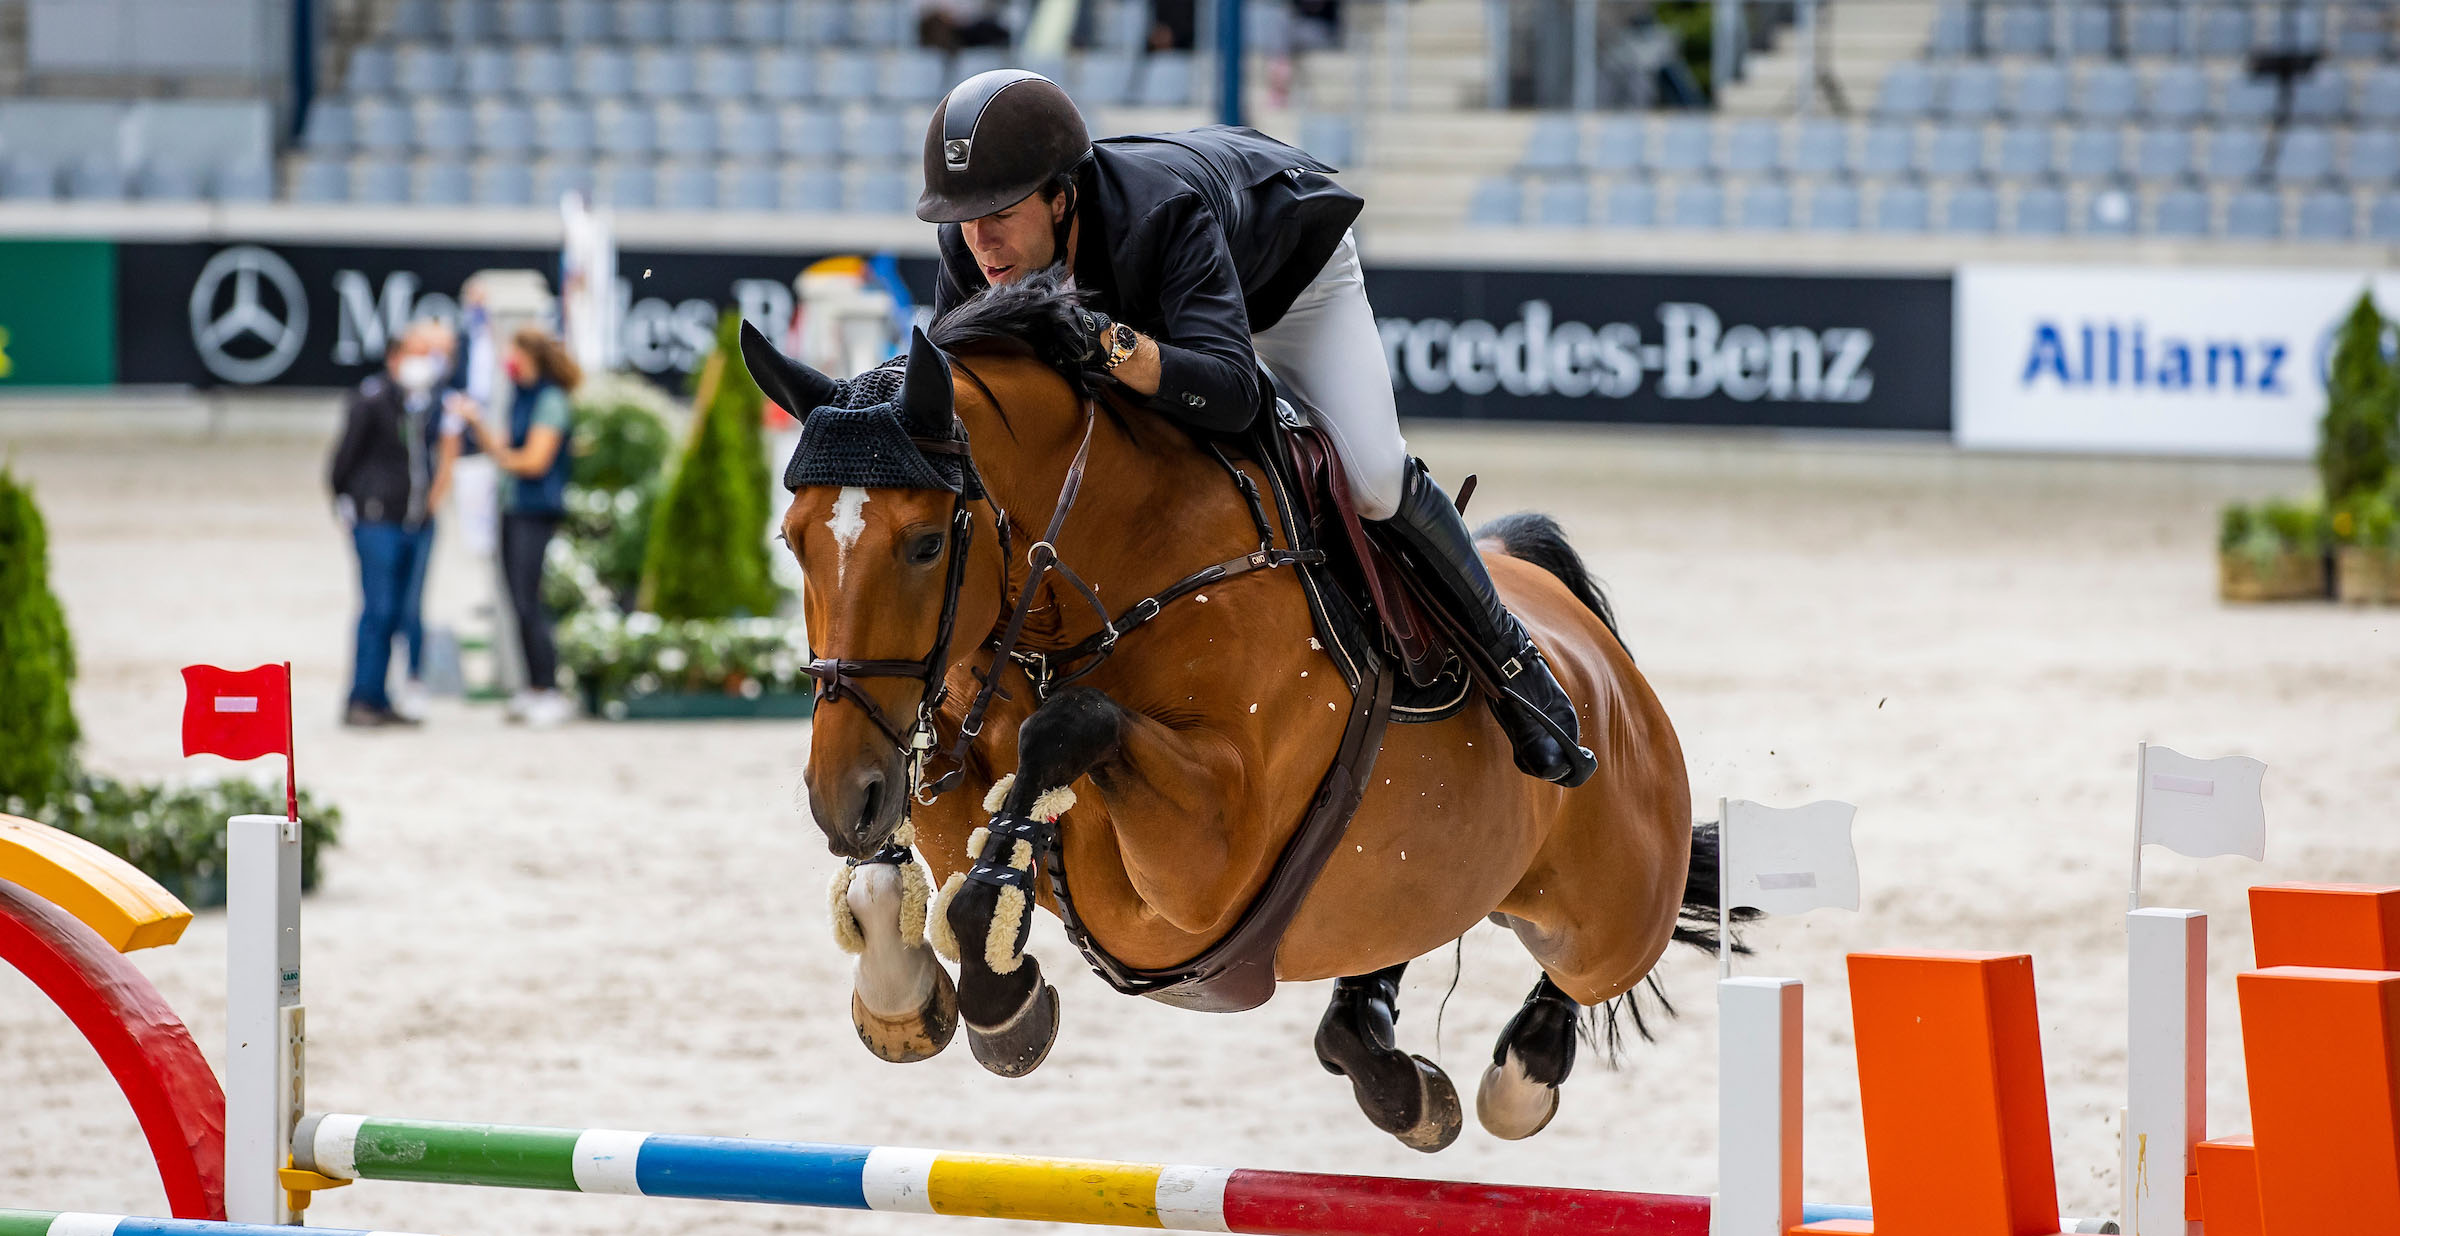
1536 713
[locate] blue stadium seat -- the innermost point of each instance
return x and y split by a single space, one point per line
882 192
2109 93
631 186
1833 206
426 70
882 23
568 129
757 23
330 127
815 23
2220 31
2018 29
694 22
169 180
2248 97
1765 207
445 128
687 186
485 70
813 189
849 75
2253 214
1821 148
1907 91
2040 93
1887 150
442 184
1749 147
782 74
2091 152
623 128
2374 156
380 182
2179 93
2234 154
582 21
1331 139
371 70
2320 95
505 183
664 73
880 135
320 181
505 127
2183 212
556 178
914 77
643 23
2041 210
752 187
26 177
2367 35
1686 146
2163 154
605 73
749 133
2327 214
1697 204
1953 34
1972 208
812 133
1903 207
2022 153
2292 30
528 21
382 124
2153 30
1123 26
1169 80
1551 145
1105 79
2305 156
970 61
1631 203
1564 202
1498 202
245 180
2379 96
416 19
685 129
1954 151
467 21
541 72
2111 210
1619 143
2090 31
723 73
1969 91
2383 222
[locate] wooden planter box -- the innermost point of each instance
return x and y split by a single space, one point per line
700 706
2366 575
2287 576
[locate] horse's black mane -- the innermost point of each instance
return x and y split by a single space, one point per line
1043 313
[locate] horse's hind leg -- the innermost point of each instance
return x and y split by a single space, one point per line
1409 1097
1533 1056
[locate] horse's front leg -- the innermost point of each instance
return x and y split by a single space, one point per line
904 1005
1012 1015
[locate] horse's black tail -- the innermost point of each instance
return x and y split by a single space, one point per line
1537 538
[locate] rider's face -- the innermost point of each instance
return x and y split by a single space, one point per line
1014 243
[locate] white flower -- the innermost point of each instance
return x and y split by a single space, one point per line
752 688
670 660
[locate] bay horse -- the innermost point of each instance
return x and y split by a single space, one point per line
1019 505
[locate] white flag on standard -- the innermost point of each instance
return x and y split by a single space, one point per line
2202 808
1785 860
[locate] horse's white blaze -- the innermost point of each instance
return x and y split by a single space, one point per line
893 977
847 523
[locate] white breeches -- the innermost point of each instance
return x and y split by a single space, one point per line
1328 354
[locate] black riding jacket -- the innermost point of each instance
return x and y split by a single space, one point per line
1198 239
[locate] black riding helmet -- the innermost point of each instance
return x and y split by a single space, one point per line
998 137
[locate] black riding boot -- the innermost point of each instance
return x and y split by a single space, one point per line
1532 708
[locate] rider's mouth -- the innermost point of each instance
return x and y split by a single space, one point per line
993 274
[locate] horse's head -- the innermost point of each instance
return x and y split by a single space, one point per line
879 483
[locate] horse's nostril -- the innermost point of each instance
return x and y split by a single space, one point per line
873 806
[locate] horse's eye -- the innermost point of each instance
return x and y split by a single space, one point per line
925 550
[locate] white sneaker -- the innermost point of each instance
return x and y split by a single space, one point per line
411 700
549 708
520 704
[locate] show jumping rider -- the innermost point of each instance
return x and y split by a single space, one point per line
1199 251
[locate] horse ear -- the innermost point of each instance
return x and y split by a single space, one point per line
928 402
799 388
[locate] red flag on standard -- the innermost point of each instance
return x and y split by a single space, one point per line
237 714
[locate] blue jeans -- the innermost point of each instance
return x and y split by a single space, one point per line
390 560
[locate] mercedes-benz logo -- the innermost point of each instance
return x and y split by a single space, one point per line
267 332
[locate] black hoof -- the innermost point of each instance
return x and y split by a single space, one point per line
1015 1047
918 1036
1438 1118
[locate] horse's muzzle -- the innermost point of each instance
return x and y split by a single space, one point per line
858 812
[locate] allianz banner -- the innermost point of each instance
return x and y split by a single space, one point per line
2175 361
1842 352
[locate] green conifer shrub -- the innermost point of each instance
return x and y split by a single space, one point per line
37 660
706 556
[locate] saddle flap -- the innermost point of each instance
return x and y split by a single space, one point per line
1322 479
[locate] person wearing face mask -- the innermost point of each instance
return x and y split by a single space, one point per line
381 479
534 462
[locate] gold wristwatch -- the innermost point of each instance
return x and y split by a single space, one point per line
1123 346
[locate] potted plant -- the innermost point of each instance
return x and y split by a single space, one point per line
2366 555
2272 551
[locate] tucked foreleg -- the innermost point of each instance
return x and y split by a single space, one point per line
904 1005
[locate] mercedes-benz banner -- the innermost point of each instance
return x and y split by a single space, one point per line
2170 360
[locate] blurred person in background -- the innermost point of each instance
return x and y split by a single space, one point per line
952 25
534 461
1173 27
382 477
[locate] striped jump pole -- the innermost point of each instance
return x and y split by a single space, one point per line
1085 1191
77 1223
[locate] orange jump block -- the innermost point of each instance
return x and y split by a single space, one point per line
2345 926
2225 1178
2323 1084
1958 1135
